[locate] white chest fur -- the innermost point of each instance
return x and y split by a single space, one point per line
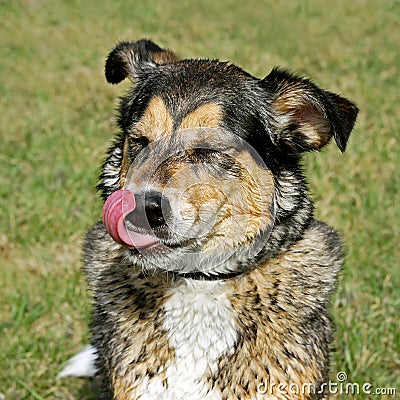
200 325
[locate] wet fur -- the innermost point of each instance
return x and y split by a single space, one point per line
261 318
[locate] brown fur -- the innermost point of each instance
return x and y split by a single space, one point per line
155 122
207 115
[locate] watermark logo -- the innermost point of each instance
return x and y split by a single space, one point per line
199 200
342 385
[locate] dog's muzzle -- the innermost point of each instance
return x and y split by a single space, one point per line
129 218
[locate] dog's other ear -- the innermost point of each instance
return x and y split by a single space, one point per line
129 59
308 116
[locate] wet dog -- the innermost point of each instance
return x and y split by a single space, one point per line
210 277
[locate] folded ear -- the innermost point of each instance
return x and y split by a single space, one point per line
129 59
308 116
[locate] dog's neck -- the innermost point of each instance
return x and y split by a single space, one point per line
201 276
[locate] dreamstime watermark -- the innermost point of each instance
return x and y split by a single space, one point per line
341 386
202 198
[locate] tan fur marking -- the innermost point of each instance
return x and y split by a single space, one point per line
310 119
247 205
208 115
155 122
163 57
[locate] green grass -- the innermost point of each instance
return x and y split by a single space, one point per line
57 120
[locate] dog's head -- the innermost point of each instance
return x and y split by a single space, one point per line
205 175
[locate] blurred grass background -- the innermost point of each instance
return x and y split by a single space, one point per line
57 121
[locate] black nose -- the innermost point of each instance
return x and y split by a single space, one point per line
152 210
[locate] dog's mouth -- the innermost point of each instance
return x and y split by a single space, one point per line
140 222
117 211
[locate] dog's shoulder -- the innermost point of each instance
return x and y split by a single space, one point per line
321 243
313 261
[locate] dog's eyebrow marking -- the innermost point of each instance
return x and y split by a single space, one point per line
156 120
207 115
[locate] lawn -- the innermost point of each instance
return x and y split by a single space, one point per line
57 121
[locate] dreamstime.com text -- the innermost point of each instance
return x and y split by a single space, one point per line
342 386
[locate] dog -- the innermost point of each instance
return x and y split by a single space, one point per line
210 277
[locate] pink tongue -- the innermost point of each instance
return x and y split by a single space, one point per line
115 209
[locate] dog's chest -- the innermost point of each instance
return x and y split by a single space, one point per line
201 328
